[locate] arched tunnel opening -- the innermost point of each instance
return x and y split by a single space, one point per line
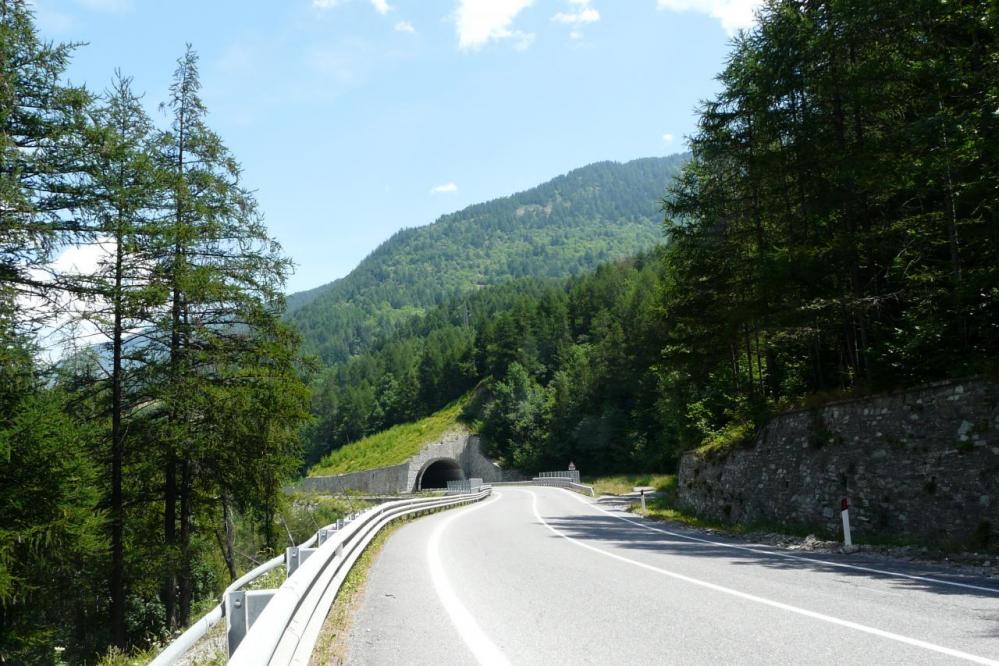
439 472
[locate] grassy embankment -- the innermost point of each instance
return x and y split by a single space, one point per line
392 446
625 483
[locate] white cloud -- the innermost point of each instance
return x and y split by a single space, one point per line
580 14
667 137
446 188
405 26
84 259
578 17
325 4
381 6
482 21
733 15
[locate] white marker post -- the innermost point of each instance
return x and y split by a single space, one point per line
844 507
643 499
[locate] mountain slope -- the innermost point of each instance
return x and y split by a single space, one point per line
563 227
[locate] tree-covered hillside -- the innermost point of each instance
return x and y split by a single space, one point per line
566 226
835 232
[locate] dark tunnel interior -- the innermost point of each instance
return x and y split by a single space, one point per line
439 473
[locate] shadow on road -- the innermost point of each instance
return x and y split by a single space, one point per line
609 530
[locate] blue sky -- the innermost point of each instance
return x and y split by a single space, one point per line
356 118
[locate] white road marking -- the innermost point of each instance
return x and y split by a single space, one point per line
771 553
762 600
485 651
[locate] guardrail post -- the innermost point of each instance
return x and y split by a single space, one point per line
235 619
291 559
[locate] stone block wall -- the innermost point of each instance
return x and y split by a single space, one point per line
460 446
921 464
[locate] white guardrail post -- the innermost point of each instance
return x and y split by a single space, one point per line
280 626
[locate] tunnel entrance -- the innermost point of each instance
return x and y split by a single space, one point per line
438 473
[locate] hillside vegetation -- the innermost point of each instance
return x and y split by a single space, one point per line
564 227
835 231
393 446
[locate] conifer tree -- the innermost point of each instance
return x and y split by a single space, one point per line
122 295
225 275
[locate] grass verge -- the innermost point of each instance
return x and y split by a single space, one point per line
624 483
392 446
331 647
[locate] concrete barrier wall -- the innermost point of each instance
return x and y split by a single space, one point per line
920 464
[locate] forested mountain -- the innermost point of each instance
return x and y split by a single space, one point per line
835 231
566 226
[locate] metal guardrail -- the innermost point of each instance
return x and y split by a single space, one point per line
571 475
183 643
564 482
242 609
464 486
286 630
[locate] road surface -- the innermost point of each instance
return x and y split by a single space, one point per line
546 576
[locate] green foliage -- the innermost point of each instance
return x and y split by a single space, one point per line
836 229
121 471
518 418
49 529
392 446
568 364
626 483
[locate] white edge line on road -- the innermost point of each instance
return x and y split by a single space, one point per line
485 651
762 600
771 553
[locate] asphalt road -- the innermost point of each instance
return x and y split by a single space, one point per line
545 576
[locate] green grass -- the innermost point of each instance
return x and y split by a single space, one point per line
392 446
624 483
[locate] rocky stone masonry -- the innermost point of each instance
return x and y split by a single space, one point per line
920 464
458 445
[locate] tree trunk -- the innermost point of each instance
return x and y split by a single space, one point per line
169 592
118 634
227 539
186 582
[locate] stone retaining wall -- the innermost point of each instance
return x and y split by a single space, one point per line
921 464
380 480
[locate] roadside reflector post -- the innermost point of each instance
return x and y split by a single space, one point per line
844 508
643 499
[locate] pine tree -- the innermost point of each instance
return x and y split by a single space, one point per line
225 276
120 298
40 123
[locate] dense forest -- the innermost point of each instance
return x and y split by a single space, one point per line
174 401
564 227
836 231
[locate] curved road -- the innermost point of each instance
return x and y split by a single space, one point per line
545 576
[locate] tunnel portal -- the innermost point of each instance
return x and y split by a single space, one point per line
438 473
